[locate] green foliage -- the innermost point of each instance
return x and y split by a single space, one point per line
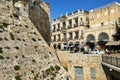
57 67
5 24
1 39
35 77
1 57
18 77
23 56
39 39
1 50
12 36
52 78
52 68
66 68
16 67
33 39
33 60
7 58
6 39
15 15
16 47
7 47
32 71
34 33
26 26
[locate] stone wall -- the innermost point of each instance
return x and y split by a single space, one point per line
40 16
24 54
86 61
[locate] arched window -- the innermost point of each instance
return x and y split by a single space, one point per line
90 38
71 44
103 37
54 46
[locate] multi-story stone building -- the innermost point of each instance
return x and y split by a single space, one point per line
69 29
81 27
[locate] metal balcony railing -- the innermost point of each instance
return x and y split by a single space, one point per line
115 61
64 39
81 24
76 37
63 28
58 29
70 38
76 25
58 39
53 40
81 37
53 30
69 26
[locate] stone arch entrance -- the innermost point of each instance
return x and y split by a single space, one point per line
90 41
77 43
70 46
59 46
103 37
55 46
90 38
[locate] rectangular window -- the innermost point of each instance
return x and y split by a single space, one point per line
79 73
54 37
92 74
64 24
82 33
70 36
70 22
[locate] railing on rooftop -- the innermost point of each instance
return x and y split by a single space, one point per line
115 61
69 14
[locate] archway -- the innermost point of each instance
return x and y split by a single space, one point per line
103 37
90 38
54 45
70 46
90 41
59 46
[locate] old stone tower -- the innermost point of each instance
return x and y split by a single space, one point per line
24 55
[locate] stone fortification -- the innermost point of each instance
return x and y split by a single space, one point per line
24 55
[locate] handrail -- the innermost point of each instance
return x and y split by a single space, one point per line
115 61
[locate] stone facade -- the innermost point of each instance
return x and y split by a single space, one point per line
97 25
43 26
85 61
24 54
69 29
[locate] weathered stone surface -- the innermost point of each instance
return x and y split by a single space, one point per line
86 61
23 52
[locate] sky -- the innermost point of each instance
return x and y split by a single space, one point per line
60 7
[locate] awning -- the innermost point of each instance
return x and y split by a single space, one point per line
113 43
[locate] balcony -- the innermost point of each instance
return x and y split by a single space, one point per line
81 24
64 39
113 61
76 25
58 29
81 37
53 30
53 40
69 26
76 37
58 39
70 38
63 28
